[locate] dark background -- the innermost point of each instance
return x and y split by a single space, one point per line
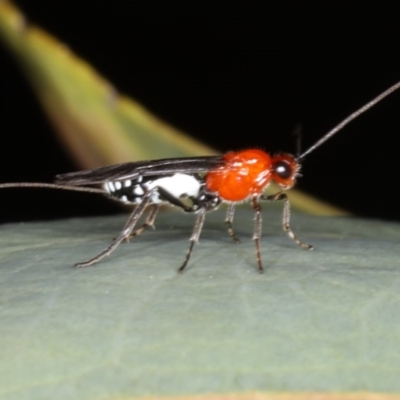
234 77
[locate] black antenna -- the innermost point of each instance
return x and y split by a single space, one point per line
350 118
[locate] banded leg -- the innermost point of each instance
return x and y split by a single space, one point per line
257 232
286 218
174 200
195 237
124 234
149 223
229 221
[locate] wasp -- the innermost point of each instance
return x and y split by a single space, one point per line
196 185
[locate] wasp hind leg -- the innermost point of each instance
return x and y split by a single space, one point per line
149 223
124 234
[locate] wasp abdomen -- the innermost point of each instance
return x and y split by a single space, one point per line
128 191
186 191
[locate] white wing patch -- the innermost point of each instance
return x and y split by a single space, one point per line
118 185
109 186
178 185
138 191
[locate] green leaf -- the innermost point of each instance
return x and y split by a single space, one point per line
322 321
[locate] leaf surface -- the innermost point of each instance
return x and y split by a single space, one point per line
317 321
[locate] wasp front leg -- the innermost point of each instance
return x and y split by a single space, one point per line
257 232
280 196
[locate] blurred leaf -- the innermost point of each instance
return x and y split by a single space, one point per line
97 124
322 321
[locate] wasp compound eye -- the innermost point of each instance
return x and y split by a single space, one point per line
283 169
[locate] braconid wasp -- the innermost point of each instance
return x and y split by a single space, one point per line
196 185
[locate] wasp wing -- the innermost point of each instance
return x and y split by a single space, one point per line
132 170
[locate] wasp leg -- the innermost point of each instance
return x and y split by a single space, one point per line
149 223
174 200
195 237
257 232
132 220
286 218
229 222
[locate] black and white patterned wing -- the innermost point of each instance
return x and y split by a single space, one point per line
134 170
